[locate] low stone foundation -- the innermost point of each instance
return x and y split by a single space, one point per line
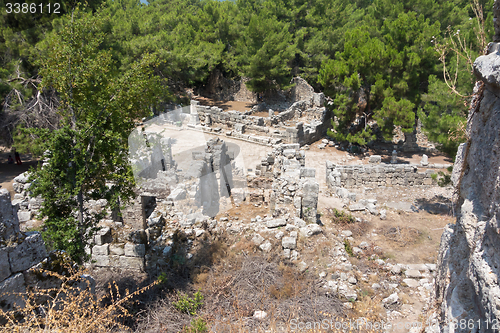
352 176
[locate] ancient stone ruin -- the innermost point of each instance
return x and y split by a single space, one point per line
20 254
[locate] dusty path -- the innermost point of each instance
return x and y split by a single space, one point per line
9 171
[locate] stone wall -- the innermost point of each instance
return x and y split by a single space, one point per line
19 253
285 182
351 176
303 91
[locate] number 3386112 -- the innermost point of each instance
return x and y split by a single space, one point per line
33 8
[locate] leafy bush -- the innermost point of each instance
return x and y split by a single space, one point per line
198 325
189 305
341 217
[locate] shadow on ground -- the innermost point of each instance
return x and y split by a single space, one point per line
436 205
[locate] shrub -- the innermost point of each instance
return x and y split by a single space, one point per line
189 305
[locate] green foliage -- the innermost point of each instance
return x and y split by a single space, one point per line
198 325
87 157
348 247
341 217
378 76
442 179
162 278
189 305
443 116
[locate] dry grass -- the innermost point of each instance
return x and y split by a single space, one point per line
402 236
73 307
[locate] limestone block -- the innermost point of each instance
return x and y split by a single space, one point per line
9 223
134 263
266 246
28 253
10 290
24 216
425 160
4 264
103 236
310 230
101 261
117 249
135 250
375 159
289 242
101 250
177 194
258 239
307 172
276 223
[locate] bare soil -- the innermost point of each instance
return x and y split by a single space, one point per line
9 171
226 105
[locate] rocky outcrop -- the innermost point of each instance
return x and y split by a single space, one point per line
467 288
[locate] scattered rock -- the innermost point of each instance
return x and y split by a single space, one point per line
393 298
310 230
302 266
289 242
266 246
260 314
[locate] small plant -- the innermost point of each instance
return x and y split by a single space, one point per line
341 217
198 325
441 178
348 248
162 278
189 305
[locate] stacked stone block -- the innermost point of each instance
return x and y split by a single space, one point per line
19 252
352 176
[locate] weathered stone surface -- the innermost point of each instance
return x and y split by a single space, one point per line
177 194
391 299
9 292
135 250
310 230
412 283
357 207
101 250
24 216
29 253
275 223
307 172
266 246
117 249
103 236
486 69
258 239
425 160
101 261
4 264
297 221
310 200
469 252
375 159
134 263
9 223
412 273
459 162
302 266
289 242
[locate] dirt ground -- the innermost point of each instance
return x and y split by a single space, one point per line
226 105
9 171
